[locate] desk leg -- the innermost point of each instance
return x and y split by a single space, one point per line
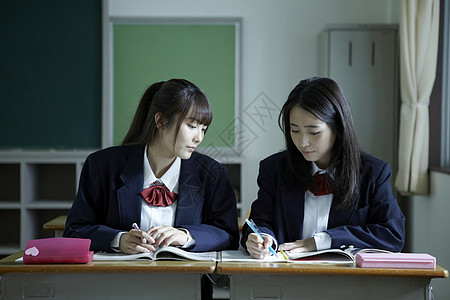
328 287
100 286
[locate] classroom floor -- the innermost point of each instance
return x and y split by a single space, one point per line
221 293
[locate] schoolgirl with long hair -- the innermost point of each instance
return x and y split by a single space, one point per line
323 191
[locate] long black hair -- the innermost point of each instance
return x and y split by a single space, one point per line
173 99
323 98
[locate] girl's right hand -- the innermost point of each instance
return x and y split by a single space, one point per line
132 242
258 247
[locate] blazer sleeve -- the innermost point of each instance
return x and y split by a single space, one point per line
377 221
89 209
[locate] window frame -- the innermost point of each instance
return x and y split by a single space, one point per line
439 146
445 122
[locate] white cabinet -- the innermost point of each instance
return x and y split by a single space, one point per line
35 187
363 60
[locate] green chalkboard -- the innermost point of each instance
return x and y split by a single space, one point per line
204 54
50 74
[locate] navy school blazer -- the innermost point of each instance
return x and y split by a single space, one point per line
374 221
108 200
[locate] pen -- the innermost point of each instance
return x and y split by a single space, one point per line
256 230
284 255
135 226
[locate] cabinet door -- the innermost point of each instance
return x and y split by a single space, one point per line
365 65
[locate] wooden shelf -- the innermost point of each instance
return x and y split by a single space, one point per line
35 187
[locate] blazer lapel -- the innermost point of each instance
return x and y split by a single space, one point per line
128 197
189 198
293 200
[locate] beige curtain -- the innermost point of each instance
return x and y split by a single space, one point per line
419 32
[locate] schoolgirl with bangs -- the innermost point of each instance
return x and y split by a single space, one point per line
155 179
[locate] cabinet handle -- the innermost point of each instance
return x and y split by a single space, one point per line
350 53
373 53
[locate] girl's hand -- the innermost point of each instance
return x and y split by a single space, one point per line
132 242
306 245
257 247
167 235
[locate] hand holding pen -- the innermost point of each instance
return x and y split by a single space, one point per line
163 236
257 244
135 226
136 241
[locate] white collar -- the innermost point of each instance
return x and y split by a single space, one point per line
169 178
316 169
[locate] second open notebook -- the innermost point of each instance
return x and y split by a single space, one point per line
328 256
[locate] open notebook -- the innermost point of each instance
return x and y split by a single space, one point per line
328 256
168 253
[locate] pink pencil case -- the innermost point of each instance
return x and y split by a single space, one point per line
58 251
395 260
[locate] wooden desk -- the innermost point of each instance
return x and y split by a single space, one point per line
57 225
103 279
294 281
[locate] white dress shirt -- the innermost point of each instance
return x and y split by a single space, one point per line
155 215
316 213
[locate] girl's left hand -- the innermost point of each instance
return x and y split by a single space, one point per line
306 245
167 235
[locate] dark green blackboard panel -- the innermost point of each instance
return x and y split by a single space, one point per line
204 54
50 74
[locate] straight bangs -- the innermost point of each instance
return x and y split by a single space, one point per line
201 109
196 106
